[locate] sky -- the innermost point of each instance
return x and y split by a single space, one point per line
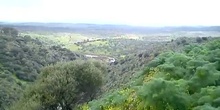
129 12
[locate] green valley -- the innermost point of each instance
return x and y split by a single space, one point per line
108 67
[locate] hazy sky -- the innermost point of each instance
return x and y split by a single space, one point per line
131 12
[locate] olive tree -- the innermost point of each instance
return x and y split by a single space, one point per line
63 85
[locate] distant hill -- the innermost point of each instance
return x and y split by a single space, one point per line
104 29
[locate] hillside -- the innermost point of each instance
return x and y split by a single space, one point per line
161 62
21 59
130 51
124 69
172 81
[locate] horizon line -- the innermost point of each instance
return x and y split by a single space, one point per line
112 24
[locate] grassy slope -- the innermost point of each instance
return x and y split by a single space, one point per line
65 39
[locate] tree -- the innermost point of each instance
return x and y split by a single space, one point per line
63 85
156 95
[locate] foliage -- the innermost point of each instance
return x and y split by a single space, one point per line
186 75
189 80
10 90
24 56
63 85
21 59
134 55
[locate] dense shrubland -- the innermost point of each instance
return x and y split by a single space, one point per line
124 69
24 56
179 74
21 59
172 81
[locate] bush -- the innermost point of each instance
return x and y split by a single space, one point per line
63 85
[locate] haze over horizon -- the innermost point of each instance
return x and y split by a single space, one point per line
132 12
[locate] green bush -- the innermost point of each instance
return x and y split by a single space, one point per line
63 85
